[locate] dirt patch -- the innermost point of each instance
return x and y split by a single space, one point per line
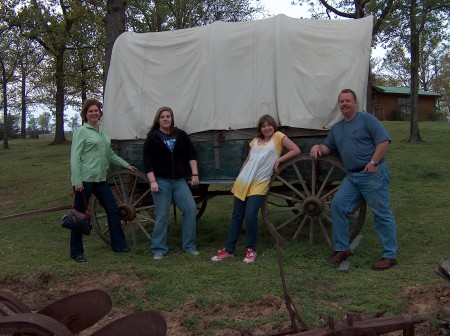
431 303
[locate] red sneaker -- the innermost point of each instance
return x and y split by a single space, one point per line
222 254
250 256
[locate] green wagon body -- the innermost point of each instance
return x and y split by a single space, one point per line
221 153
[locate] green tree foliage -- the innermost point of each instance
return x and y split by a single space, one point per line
33 126
11 127
74 122
45 122
420 25
55 25
161 15
352 9
85 57
441 82
8 66
31 59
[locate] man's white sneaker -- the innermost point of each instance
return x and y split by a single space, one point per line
250 256
222 254
193 252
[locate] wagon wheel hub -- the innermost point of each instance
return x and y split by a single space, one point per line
127 211
313 206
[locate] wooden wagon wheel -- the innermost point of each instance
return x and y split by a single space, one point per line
134 199
300 196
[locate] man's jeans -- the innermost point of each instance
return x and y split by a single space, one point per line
374 187
247 209
103 192
176 190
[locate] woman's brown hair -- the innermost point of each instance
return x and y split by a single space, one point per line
88 103
266 119
156 125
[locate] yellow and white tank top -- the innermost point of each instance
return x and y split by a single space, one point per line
254 178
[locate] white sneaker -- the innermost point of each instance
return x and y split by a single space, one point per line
250 256
194 252
158 256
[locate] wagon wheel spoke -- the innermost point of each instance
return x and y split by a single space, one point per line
286 197
288 221
135 203
324 231
300 227
130 225
139 223
145 219
119 189
325 182
292 187
301 194
313 176
100 215
133 190
302 180
146 207
330 193
132 193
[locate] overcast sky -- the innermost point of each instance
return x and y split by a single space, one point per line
275 7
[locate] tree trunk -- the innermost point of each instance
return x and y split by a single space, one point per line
83 83
5 109
369 92
23 128
114 25
359 9
414 134
59 113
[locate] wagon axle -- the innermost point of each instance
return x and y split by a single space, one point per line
313 206
127 211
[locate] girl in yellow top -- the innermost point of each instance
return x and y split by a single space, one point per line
252 184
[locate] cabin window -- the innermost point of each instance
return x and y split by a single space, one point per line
404 105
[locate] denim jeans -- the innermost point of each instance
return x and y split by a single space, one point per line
106 198
374 187
176 190
247 209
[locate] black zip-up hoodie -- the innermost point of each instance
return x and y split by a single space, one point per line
162 162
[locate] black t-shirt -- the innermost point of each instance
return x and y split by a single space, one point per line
168 139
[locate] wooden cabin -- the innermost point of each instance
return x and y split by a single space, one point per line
394 103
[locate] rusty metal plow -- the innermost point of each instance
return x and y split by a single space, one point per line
354 325
75 313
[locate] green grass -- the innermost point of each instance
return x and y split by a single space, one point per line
34 249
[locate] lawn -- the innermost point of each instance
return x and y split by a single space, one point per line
199 297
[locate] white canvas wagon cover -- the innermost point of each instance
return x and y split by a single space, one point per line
226 75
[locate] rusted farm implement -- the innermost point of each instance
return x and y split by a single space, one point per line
73 314
354 325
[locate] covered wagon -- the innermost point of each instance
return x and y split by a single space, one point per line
219 79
